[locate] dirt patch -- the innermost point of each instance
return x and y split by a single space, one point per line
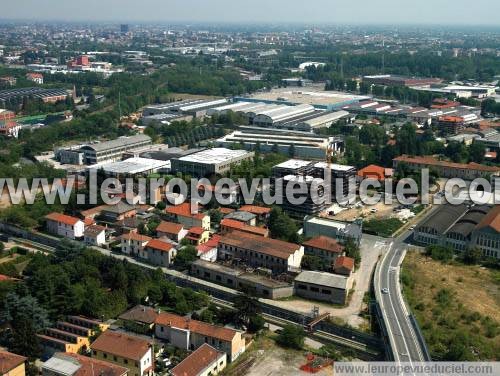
457 307
473 286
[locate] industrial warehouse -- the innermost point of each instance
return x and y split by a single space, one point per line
304 145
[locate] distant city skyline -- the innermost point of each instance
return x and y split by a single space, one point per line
439 12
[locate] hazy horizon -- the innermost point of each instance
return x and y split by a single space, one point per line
365 12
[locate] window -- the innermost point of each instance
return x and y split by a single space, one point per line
314 289
327 292
105 356
125 361
302 287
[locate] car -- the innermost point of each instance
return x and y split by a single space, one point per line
411 228
385 290
165 362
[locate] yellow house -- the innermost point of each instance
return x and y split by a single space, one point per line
12 364
128 351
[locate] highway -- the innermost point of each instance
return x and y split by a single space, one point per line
402 336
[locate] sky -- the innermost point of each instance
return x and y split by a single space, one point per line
446 12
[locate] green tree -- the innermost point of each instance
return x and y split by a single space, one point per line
291 336
185 257
282 226
352 250
477 152
25 318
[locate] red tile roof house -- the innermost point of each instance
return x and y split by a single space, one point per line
343 265
208 251
227 225
65 225
256 251
182 214
324 247
203 361
171 230
95 235
159 252
11 364
190 334
133 243
375 172
125 350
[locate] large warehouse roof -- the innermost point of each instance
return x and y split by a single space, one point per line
119 142
215 155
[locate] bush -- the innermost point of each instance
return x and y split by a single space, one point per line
292 337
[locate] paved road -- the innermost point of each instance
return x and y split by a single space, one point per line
403 339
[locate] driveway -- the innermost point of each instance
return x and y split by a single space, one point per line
371 248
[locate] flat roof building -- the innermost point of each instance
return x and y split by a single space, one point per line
339 230
332 288
305 145
132 167
210 161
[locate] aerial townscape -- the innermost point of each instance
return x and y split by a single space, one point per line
191 190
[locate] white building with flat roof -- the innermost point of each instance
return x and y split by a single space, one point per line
210 161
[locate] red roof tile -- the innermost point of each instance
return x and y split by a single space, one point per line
92 366
121 344
260 244
431 161
344 262
197 361
258 210
184 210
135 236
325 243
159 245
62 218
219 332
169 227
9 361
375 172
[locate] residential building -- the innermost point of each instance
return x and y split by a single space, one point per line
332 288
240 279
37 78
65 225
204 361
244 217
95 235
343 265
171 230
339 230
134 353
158 252
139 319
208 251
197 235
261 212
228 225
444 169
70 336
182 214
117 212
210 162
257 251
190 334
68 364
133 243
12 364
374 172
323 247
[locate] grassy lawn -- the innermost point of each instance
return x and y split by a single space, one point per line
457 307
382 227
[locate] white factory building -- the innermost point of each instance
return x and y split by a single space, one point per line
305 145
